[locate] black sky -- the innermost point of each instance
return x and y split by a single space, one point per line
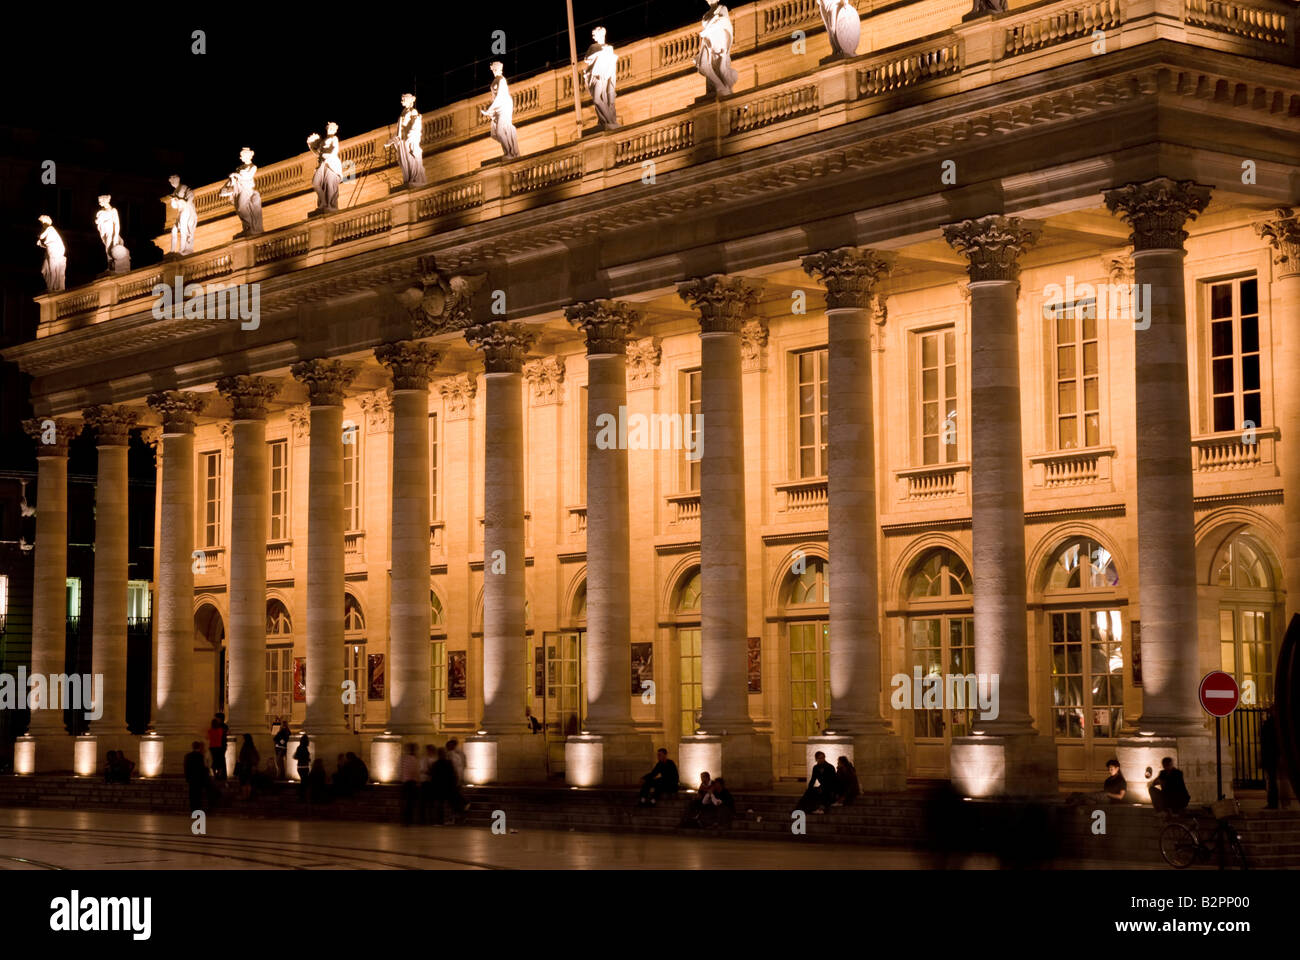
274 73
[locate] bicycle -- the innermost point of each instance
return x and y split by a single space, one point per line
1181 844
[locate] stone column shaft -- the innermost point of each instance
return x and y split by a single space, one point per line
1166 518
50 567
108 627
410 615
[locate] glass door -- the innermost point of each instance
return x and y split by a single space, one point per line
354 669
810 687
563 708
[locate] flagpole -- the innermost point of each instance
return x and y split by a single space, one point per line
573 63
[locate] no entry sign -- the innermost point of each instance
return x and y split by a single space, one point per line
1219 693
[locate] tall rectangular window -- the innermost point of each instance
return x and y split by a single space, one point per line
73 586
212 488
279 683
278 457
1078 378
582 444
4 601
352 482
811 411
433 467
138 600
1234 354
937 379
693 402
438 681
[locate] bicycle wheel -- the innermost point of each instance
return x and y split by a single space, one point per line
1178 845
1238 850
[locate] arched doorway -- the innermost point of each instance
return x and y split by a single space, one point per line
355 663
209 676
279 661
939 632
804 602
686 617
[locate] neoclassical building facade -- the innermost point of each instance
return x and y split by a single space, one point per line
968 354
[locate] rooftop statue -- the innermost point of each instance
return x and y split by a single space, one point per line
56 256
502 113
600 72
843 26
329 169
988 6
181 199
109 226
241 190
410 154
714 59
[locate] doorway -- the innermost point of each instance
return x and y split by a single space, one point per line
564 697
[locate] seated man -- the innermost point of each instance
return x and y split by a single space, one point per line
718 807
661 780
822 787
1116 787
1168 789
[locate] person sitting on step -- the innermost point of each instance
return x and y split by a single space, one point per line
660 781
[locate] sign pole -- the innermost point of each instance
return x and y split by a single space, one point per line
1218 755
573 66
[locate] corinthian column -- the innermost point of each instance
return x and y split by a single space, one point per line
502 752
411 365
46 747
724 304
173 703
108 627
249 523
608 754
326 381
992 247
851 277
1282 231
1171 718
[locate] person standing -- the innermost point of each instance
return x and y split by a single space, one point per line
302 756
280 739
1268 755
247 765
454 795
217 733
410 777
196 776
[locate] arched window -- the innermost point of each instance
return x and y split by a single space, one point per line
940 573
278 624
941 640
686 607
353 619
805 595
1085 644
1082 564
1246 642
580 603
435 606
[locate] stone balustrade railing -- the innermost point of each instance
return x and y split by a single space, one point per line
933 482
1237 450
799 496
701 131
1072 468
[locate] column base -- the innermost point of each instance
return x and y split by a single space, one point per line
744 760
505 758
173 748
1139 762
86 761
153 752
607 760
879 758
385 761
1022 765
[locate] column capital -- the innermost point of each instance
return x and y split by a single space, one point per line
52 435
504 344
112 424
248 396
643 358
1282 231
850 275
1157 210
545 376
411 363
153 436
377 405
325 379
724 302
1119 268
607 323
300 420
177 409
992 245
458 393
753 346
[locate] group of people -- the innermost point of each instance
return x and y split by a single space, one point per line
829 786
431 784
1168 790
117 767
713 807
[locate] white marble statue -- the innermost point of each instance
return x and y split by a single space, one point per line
502 113
109 226
843 26
181 199
600 72
56 256
329 168
241 190
410 154
714 57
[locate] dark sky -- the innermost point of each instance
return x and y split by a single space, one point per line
273 73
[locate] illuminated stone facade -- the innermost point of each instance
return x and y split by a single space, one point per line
937 431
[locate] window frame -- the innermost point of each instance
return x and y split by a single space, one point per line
284 493
941 332
820 416
1238 355
1078 315
212 498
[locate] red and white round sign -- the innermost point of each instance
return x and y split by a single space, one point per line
1219 693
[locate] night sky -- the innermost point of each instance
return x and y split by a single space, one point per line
273 74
